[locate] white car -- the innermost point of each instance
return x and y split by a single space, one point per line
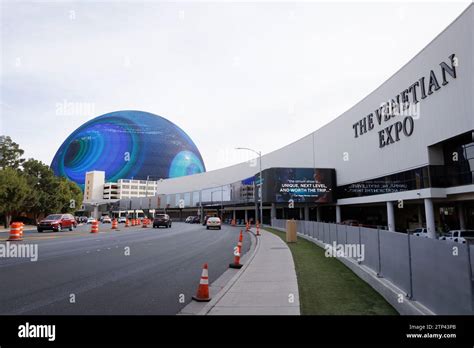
459 236
420 232
90 220
122 220
213 222
106 219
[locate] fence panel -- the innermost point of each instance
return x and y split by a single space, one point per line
441 279
333 233
395 259
341 234
353 237
369 240
325 232
305 228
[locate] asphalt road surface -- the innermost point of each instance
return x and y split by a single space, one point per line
162 270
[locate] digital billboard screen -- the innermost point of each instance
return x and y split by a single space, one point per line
305 185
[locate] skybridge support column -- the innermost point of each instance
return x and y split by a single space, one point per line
338 214
306 213
318 214
390 217
430 218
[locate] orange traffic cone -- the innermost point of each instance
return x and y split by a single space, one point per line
203 289
237 252
95 227
114 224
127 223
15 232
145 223
247 226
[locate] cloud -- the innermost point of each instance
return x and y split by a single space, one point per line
235 74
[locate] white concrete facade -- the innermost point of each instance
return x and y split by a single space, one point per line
93 186
96 189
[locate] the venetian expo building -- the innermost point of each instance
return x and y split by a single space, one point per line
402 157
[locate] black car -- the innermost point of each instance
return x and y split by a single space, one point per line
162 220
196 220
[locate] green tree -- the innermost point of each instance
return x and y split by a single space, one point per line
69 196
42 183
10 153
50 194
31 186
13 192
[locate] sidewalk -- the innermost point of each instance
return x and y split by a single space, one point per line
267 286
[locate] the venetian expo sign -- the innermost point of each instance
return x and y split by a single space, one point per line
405 104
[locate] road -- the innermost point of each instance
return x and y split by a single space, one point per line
94 270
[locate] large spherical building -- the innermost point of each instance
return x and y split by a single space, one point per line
126 145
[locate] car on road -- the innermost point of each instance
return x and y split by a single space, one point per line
459 236
189 219
122 220
162 220
106 219
213 222
57 222
196 220
420 232
90 220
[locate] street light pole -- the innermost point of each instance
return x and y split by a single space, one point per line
259 153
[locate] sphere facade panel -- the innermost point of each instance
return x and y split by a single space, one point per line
128 145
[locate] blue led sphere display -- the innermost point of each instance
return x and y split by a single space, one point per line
128 145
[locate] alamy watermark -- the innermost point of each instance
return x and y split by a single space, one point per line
354 251
68 108
14 250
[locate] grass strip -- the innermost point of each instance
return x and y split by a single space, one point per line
327 287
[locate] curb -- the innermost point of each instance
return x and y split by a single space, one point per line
205 308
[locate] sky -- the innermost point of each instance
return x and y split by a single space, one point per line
234 74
